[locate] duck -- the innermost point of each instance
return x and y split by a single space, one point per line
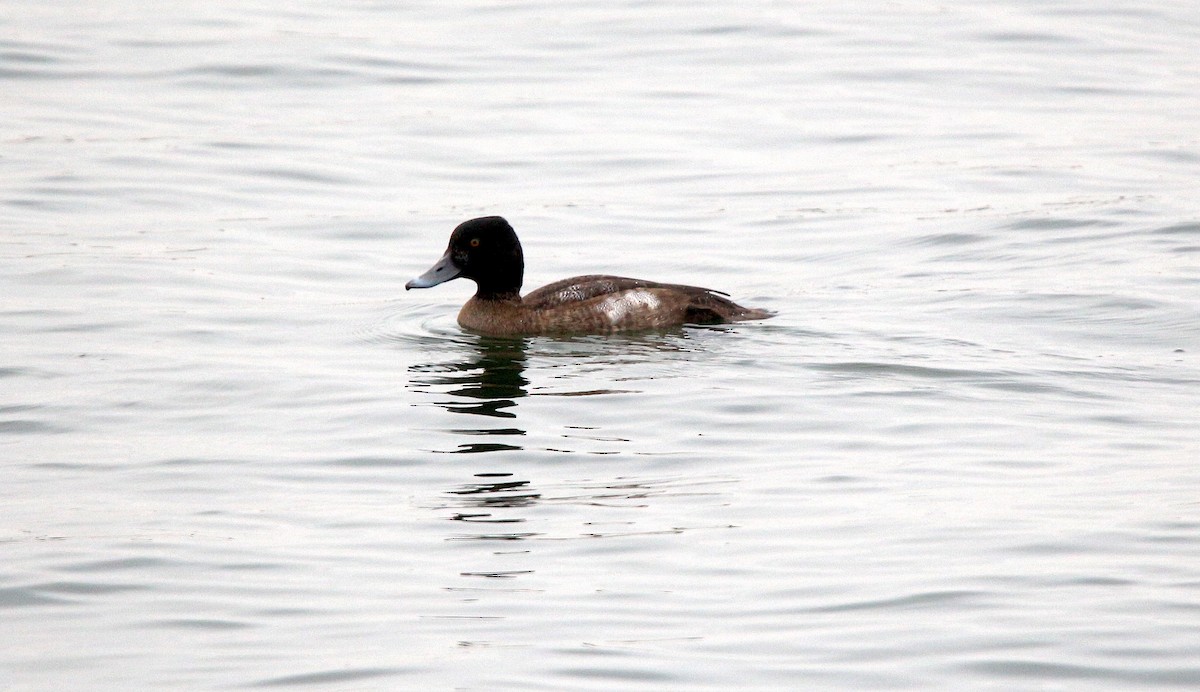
486 250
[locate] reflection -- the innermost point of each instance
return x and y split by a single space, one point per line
550 471
498 493
494 377
487 382
486 377
501 508
477 502
490 499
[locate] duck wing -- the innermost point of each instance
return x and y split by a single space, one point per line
580 288
666 303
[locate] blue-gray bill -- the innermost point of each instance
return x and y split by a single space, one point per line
443 271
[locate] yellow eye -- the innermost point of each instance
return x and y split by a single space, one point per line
474 242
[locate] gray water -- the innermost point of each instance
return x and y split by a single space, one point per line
236 454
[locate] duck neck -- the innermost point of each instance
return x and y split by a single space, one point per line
502 296
503 280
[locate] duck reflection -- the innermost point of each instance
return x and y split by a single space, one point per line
480 501
486 379
496 493
487 382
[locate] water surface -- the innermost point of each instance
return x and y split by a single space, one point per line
963 455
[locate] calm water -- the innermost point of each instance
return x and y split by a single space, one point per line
964 454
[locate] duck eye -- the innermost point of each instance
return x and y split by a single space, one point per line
474 242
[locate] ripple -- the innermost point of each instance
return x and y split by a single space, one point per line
863 368
1052 224
22 426
1048 670
89 588
119 565
416 324
1188 229
919 601
1027 37
21 60
330 677
205 624
25 597
950 239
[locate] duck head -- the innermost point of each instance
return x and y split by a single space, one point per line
484 250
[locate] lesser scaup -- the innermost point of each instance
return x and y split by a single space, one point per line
486 250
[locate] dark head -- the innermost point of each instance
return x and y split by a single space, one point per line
484 250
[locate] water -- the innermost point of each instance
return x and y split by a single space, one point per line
237 455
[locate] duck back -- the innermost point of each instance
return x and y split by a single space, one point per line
623 297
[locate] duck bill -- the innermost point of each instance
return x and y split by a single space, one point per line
440 273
